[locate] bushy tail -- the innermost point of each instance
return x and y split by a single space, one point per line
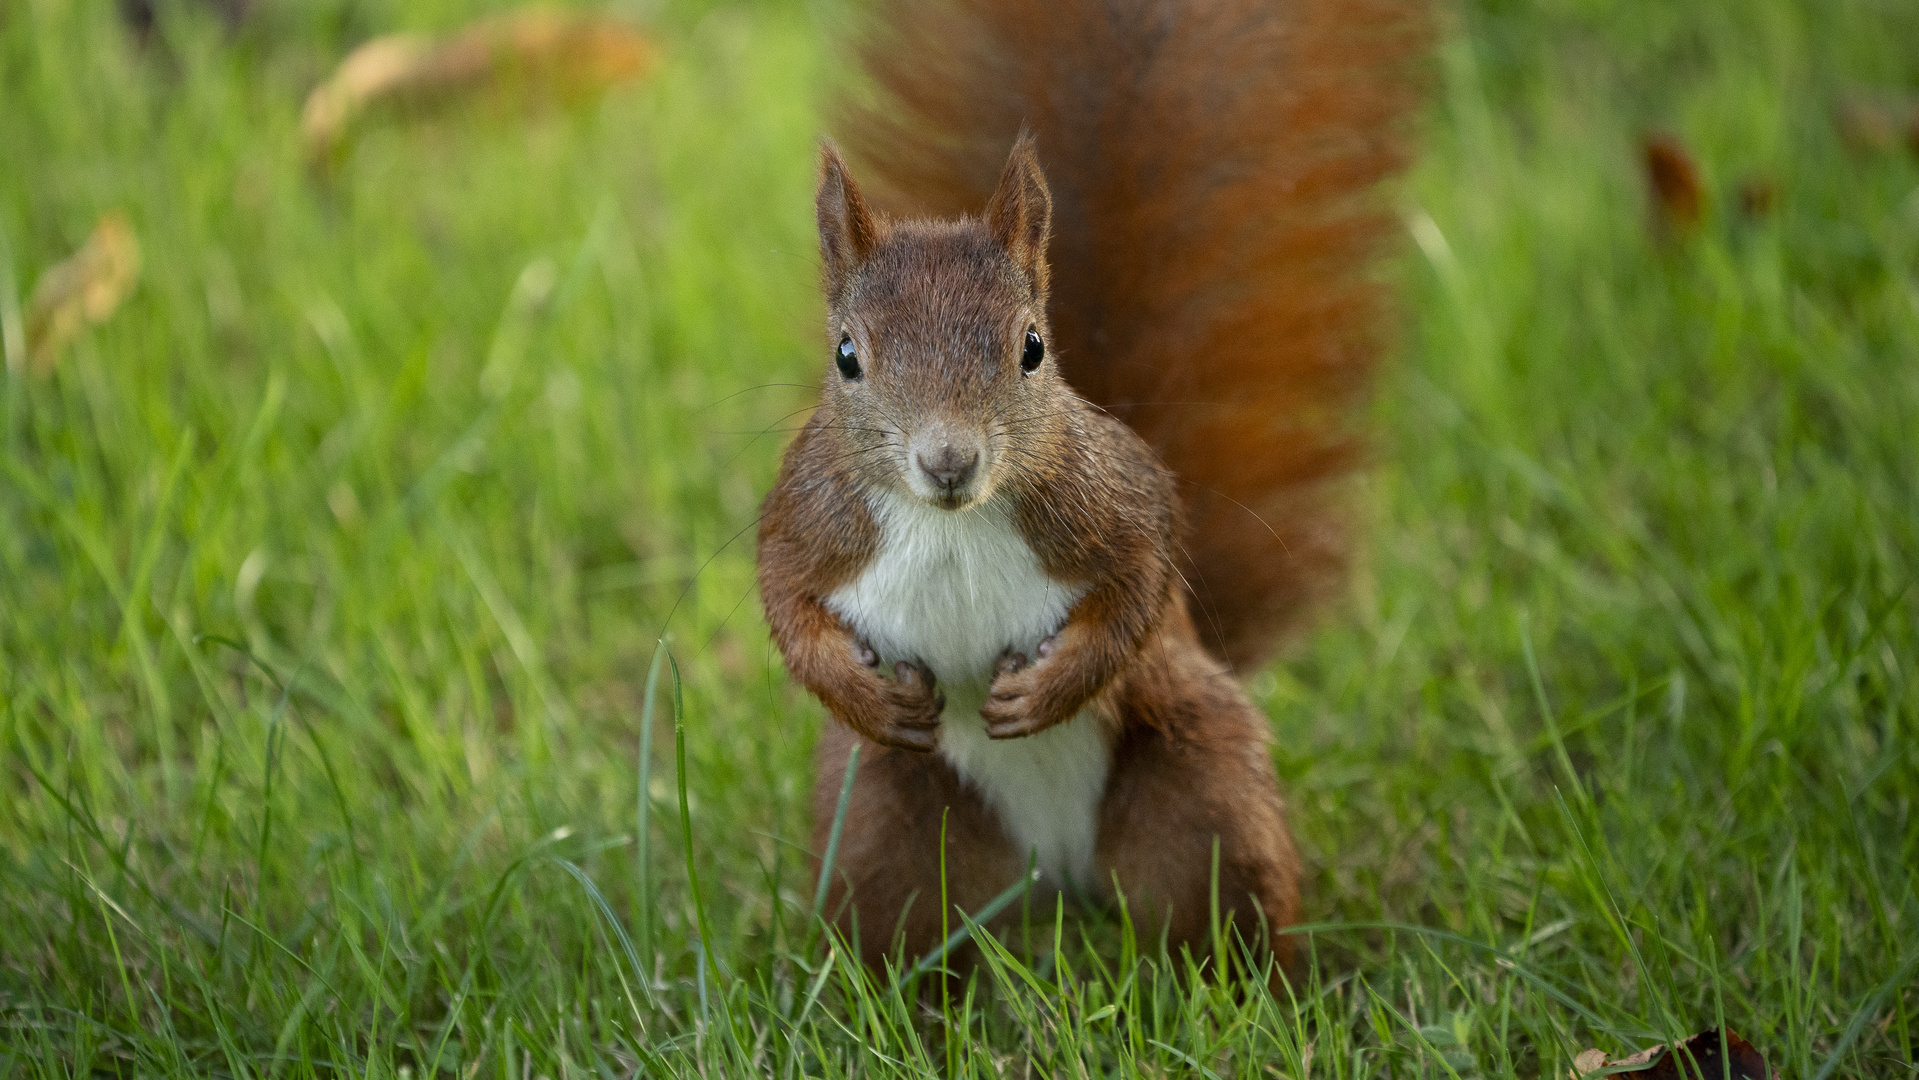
1213 165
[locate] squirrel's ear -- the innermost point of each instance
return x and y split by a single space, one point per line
1020 214
848 232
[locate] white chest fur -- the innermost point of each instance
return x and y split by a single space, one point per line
953 590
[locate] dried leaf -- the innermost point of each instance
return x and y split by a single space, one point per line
1679 195
86 287
1697 1058
1758 195
531 53
1879 120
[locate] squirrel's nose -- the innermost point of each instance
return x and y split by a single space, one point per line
949 466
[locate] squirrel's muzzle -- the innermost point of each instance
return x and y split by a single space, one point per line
945 465
950 467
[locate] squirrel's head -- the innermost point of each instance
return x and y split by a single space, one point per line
938 379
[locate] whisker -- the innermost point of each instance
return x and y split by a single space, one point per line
762 386
748 443
688 588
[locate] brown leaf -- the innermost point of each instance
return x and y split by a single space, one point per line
1679 195
531 53
1758 195
1697 1058
85 287
1879 120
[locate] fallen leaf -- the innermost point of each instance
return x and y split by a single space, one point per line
1758 195
85 287
1679 195
1697 1058
1879 120
531 53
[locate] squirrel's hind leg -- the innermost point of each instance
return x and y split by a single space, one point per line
885 894
1203 777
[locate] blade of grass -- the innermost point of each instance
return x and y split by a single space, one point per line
643 830
984 915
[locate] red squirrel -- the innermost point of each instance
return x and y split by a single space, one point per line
1076 453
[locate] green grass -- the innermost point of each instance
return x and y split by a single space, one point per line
331 570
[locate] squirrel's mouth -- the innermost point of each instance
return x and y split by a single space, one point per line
947 496
963 496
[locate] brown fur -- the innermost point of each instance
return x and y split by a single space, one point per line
1207 230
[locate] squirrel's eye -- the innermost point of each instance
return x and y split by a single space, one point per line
847 357
1035 351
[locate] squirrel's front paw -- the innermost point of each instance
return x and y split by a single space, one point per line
910 707
1016 704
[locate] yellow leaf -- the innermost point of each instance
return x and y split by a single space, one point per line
529 53
1588 1061
86 287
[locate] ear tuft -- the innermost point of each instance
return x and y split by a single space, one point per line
848 230
1020 214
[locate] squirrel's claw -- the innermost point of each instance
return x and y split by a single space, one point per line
1015 707
1014 726
913 705
904 738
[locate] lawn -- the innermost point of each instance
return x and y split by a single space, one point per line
332 567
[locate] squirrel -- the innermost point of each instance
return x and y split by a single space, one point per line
1077 455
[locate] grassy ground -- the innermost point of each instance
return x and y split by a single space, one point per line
331 568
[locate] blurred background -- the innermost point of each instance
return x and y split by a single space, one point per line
369 416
